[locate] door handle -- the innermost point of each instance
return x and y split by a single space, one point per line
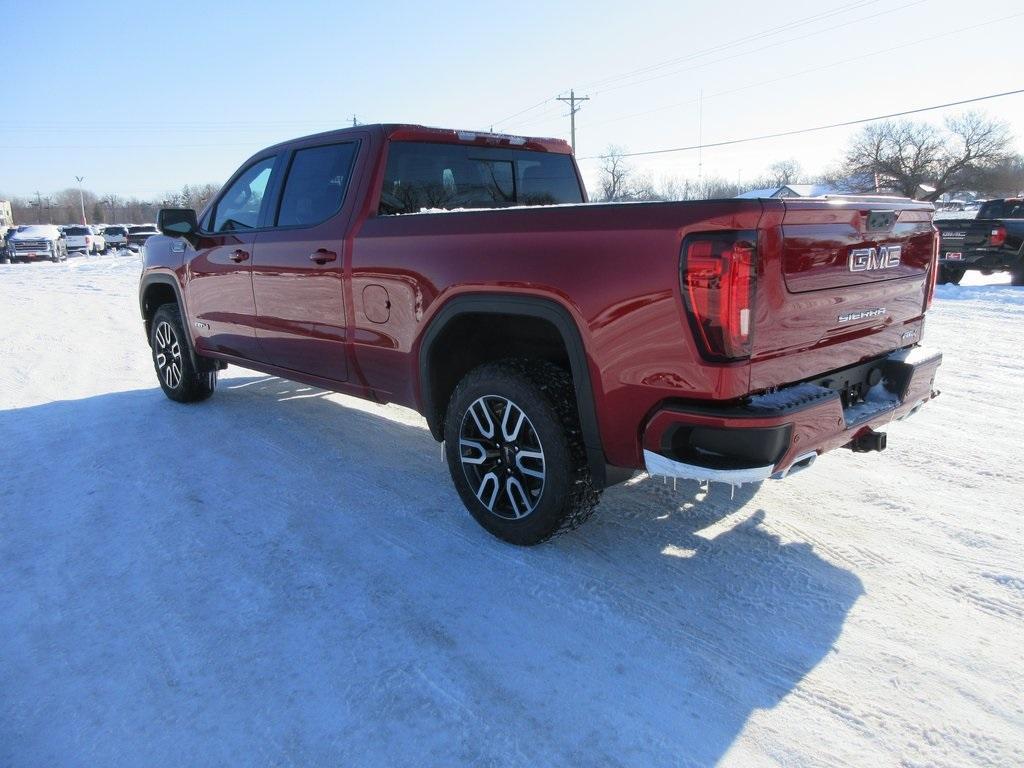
322 256
239 255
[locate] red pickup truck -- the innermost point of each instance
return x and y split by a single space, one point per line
555 346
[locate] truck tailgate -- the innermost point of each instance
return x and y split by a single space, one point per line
840 281
959 234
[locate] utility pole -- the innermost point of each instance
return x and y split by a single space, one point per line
571 99
700 139
354 121
81 197
39 208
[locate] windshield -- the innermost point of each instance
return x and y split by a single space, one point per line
39 230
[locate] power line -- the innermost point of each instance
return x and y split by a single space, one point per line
811 70
843 124
697 54
757 50
543 117
749 38
739 41
524 111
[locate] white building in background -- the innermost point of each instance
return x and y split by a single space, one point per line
6 215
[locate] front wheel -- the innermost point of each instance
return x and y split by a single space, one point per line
515 451
175 370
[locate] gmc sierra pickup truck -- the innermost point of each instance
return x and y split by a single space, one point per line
991 242
554 346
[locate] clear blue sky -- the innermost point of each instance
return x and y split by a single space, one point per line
193 88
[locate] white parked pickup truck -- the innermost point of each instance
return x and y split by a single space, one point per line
116 236
37 242
82 239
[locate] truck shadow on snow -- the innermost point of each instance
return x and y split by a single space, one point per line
273 577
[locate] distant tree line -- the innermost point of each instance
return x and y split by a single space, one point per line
65 206
969 153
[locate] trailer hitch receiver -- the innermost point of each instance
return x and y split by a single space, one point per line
868 441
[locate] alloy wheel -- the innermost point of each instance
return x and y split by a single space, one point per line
502 457
167 354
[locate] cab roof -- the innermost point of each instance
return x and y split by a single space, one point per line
411 132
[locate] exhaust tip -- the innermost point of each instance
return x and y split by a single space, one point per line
799 464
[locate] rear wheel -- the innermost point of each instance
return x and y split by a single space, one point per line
515 451
178 377
950 275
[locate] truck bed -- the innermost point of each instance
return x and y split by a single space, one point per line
616 268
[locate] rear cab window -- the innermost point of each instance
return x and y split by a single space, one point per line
423 176
1002 209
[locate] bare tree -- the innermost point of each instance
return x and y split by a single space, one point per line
642 189
1003 180
615 173
904 155
783 172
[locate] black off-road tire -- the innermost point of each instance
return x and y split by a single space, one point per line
1017 276
172 361
544 393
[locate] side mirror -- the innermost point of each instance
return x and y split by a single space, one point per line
177 222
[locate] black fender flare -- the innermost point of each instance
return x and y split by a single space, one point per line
527 306
154 278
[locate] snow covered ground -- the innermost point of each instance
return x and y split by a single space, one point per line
283 576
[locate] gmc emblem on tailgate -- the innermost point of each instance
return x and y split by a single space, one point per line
870 259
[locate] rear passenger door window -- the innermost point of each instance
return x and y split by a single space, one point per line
315 187
238 209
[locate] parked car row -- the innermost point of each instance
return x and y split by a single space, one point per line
38 242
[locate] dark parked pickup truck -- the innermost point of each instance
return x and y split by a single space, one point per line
992 242
554 346
137 236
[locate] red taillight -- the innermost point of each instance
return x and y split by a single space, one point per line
933 269
718 277
997 237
